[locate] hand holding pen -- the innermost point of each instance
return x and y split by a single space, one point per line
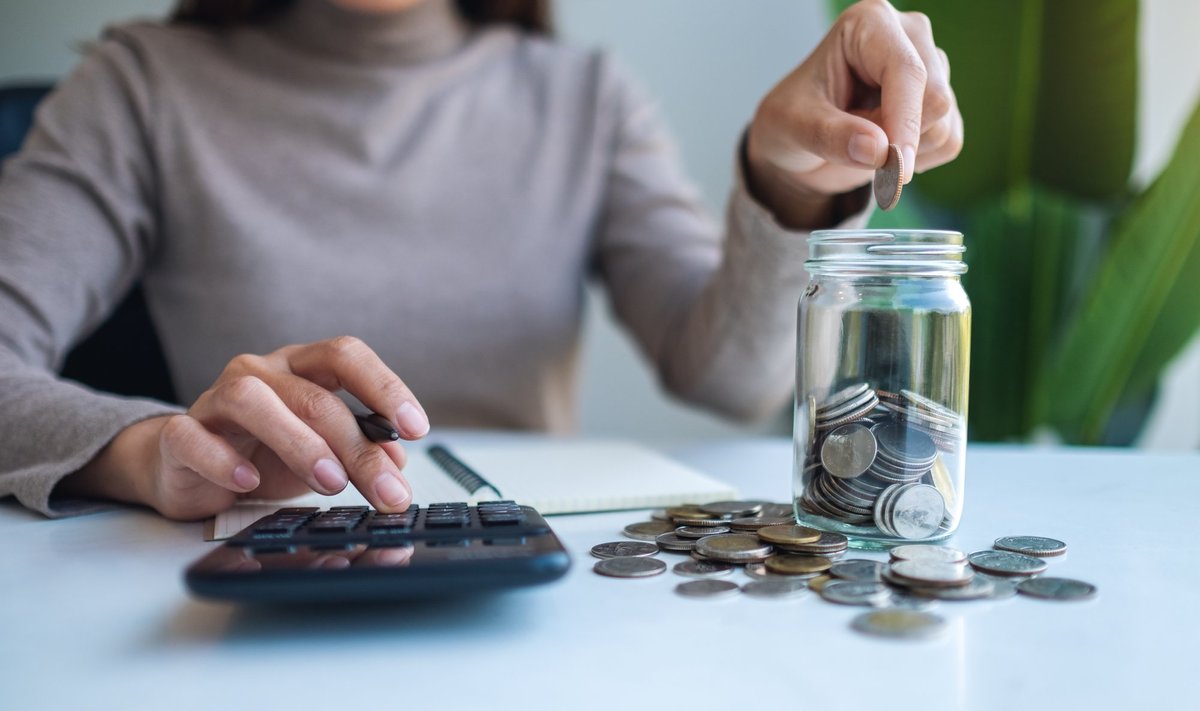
270 426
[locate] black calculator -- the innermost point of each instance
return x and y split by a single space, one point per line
353 553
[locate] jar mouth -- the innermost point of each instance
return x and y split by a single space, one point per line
934 253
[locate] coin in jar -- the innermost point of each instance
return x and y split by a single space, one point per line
707 588
702 569
898 623
1036 546
648 530
848 451
1005 563
630 567
623 549
1056 588
889 180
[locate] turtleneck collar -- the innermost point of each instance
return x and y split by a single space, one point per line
431 29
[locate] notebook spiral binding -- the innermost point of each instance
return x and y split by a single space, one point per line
466 477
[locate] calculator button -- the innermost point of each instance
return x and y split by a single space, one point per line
362 509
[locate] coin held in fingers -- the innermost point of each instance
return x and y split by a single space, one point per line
889 180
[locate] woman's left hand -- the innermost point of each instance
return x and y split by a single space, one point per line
876 78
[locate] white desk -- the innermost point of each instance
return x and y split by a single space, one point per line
94 615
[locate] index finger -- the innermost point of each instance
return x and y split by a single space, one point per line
881 53
346 362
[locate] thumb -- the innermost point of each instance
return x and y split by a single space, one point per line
843 138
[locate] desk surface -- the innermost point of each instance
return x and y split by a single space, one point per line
95 615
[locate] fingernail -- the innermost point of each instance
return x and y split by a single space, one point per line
244 477
391 491
412 421
330 475
910 162
862 150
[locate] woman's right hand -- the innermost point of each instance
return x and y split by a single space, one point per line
270 425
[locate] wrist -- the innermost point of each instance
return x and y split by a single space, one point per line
794 205
122 470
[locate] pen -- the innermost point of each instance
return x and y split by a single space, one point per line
376 427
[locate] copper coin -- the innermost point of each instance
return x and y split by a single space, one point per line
889 180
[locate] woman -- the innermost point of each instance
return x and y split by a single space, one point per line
434 179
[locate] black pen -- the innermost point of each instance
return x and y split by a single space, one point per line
376 427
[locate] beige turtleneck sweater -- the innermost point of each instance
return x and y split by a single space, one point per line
442 193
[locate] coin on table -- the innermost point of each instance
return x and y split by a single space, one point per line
861 569
630 567
702 520
789 534
978 588
702 569
889 180
928 553
898 623
827 544
660 515
733 509
779 511
923 574
819 582
759 571
847 592
700 531
623 549
675 544
848 451
791 564
1004 587
1005 563
733 547
1056 588
773 588
648 530
1032 545
707 588
755 523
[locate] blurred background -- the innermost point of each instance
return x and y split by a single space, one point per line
1078 189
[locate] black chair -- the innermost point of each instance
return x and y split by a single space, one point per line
123 356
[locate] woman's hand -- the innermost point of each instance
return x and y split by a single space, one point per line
876 78
270 425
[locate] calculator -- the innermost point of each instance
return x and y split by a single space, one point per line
353 553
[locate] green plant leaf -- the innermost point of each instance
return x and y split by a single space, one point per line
1142 306
1048 93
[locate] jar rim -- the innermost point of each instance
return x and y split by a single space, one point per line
886 252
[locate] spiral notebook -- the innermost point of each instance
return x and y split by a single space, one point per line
552 476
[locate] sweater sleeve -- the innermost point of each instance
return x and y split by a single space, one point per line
77 223
714 310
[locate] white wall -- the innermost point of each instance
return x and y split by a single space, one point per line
708 61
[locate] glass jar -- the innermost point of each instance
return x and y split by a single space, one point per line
882 358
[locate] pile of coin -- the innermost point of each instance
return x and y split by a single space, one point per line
783 560
876 459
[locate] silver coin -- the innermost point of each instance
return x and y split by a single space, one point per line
925 574
1005 563
700 531
917 512
630 567
779 511
904 599
660 515
899 624
1002 587
673 543
928 553
978 588
773 588
848 451
1036 546
623 549
733 509
847 592
841 397
1056 588
759 571
702 569
707 588
753 523
648 530
903 443
734 547
859 569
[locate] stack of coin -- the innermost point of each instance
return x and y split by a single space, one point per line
871 450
